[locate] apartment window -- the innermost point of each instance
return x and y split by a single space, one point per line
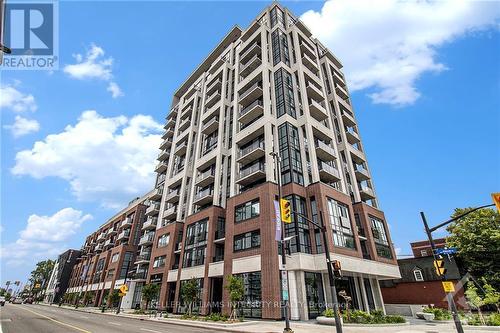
280 47
195 256
380 238
417 273
115 257
163 240
341 224
209 143
283 84
277 17
299 226
126 265
291 161
251 306
196 244
159 262
246 241
423 253
110 274
246 211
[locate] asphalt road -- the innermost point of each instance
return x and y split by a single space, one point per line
24 318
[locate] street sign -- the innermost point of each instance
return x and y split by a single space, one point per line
121 294
284 285
448 287
446 251
439 266
277 236
38 285
123 289
496 200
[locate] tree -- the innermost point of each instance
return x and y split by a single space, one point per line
236 288
190 293
477 239
41 275
491 296
474 299
114 298
150 292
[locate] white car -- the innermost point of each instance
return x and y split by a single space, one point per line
17 300
2 300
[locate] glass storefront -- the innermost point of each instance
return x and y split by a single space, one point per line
314 294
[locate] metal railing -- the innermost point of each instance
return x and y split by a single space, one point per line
255 145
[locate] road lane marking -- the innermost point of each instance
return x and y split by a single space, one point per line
148 330
54 320
84 317
114 323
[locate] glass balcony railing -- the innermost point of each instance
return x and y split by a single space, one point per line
251 147
254 168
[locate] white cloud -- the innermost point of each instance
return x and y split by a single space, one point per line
43 236
23 126
15 100
94 65
115 90
387 45
109 160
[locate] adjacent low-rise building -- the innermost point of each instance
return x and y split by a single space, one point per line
60 276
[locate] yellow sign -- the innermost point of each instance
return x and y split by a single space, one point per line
286 211
38 285
448 287
123 289
439 266
121 295
496 200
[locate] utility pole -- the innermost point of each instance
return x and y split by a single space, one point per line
124 282
429 231
277 163
331 276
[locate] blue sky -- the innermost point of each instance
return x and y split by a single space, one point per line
425 92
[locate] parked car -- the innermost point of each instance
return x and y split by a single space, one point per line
2 300
17 300
28 300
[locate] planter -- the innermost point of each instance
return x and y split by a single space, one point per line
322 320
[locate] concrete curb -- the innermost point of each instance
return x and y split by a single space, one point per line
376 325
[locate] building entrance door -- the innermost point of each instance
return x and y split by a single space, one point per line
314 294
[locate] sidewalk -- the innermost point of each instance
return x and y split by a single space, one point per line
264 326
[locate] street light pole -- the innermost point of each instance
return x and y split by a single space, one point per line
331 276
124 282
277 163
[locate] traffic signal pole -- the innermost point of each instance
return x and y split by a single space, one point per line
449 296
331 276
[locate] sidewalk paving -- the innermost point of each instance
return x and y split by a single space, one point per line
265 326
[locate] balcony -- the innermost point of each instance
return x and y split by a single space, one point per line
142 259
213 110
204 197
309 63
101 237
251 94
314 92
352 135
181 148
357 156
366 192
157 193
361 173
172 196
324 151
99 248
166 144
206 178
217 64
250 66
219 235
170 212
147 239
161 167
163 155
169 132
150 223
251 112
210 126
214 85
338 78
251 174
307 49
109 243
317 110
341 92
111 231
347 118
328 173
251 153
212 99
140 275
153 209
251 51
124 234
184 124
126 223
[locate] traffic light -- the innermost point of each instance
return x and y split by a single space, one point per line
496 200
286 211
337 269
439 266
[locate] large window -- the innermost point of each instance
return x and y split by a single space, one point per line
196 306
247 241
250 306
163 240
380 238
126 265
277 17
283 84
195 244
299 226
291 161
246 211
159 261
341 224
280 47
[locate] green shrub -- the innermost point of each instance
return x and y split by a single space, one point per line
439 314
139 311
165 315
375 317
493 319
395 319
360 317
329 313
